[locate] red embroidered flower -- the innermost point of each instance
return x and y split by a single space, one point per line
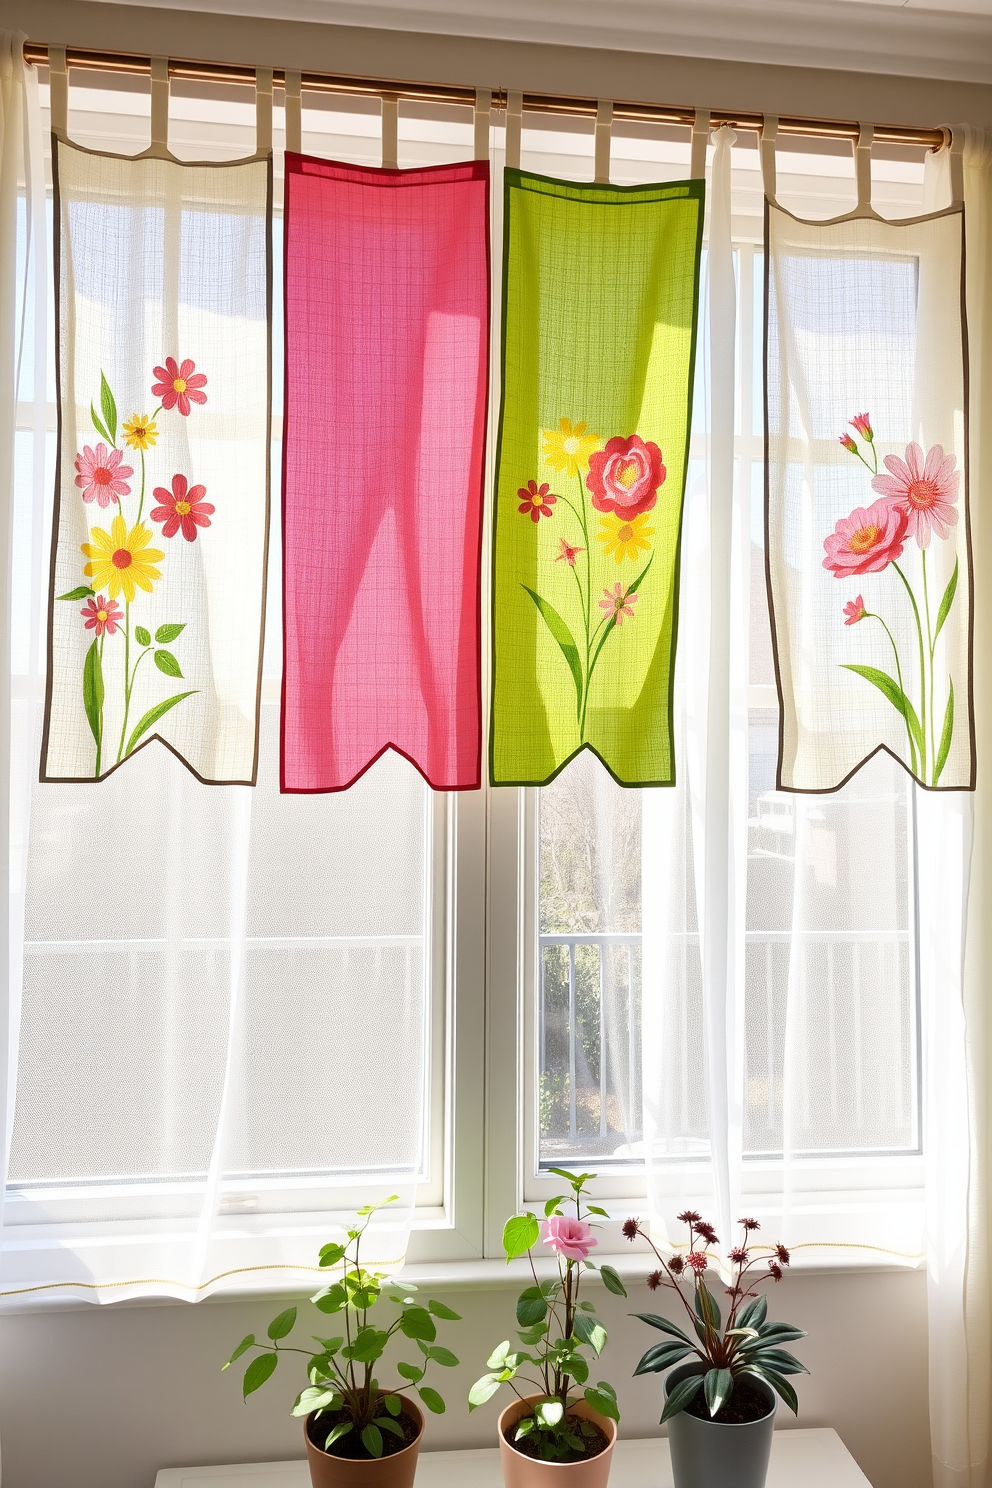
101 475
537 500
925 489
848 443
182 507
102 614
867 541
855 610
566 553
625 476
862 423
179 384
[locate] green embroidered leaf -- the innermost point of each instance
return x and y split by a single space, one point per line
165 661
83 592
166 633
98 426
109 409
93 691
947 601
563 636
142 636
890 688
946 734
154 714
611 624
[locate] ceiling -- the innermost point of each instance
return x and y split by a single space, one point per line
949 39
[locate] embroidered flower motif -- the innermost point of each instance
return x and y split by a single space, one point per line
855 611
625 476
182 507
572 1238
625 537
925 489
179 384
867 541
618 603
102 614
140 432
848 443
101 475
568 447
537 500
567 553
862 423
121 561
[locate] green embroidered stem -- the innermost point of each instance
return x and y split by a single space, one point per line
923 670
99 742
930 647
127 672
913 759
141 503
588 608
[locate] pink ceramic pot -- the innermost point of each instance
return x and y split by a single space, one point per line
397 1471
526 1472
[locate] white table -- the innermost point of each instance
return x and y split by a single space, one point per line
800 1459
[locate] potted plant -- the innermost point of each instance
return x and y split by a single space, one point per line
720 1401
559 1431
358 1432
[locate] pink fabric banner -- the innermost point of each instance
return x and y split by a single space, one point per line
387 314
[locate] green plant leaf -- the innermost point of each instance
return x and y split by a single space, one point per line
889 688
368 1346
372 1440
329 1254
753 1315
283 1324
245 1344
605 1404
662 1356
519 1234
393 1404
431 1399
946 734
498 1357
531 1307
108 408
576 1368
258 1371
612 1281
778 1333
98 425
441 1311
483 1389
591 1331
595 1209
655 1321
680 1396
529 1336
83 592
337 1432
154 714
946 601
548 1413
93 690
163 635
386 1423
410 1372
718 1386
706 1305
779 1360
167 663
331 1298
416 1322
313 1398
551 1206
563 637
780 1385
442 1356
142 636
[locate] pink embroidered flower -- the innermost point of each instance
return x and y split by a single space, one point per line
101 475
572 1238
862 423
848 443
538 500
618 603
182 507
867 541
179 384
102 614
566 553
625 476
854 611
925 489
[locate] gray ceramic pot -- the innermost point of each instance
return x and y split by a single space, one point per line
706 1454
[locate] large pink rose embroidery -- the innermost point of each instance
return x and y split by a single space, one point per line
867 541
625 476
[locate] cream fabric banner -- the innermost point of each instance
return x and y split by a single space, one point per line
158 560
868 549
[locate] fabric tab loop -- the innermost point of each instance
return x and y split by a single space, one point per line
862 163
514 120
700 139
58 75
294 113
769 134
390 131
604 131
160 104
483 109
263 110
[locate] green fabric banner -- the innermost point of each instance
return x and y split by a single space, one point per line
600 292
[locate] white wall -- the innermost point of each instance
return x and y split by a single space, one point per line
103 1397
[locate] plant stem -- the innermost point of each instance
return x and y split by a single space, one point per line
141 503
127 673
870 615
588 612
923 670
930 647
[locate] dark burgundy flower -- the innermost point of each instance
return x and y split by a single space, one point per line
688 1216
707 1232
775 1270
654 1281
676 1265
738 1255
782 1254
630 1229
749 1224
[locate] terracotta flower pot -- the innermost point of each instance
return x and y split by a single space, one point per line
396 1471
527 1472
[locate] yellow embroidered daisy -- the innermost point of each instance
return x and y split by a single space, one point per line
122 561
625 538
568 447
140 432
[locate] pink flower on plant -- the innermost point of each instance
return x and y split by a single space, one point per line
867 541
567 553
854 611
101 475
848 443
182 507
925 489
862 423
572 1238
102 614
179 383
625 476
619 603
697 1261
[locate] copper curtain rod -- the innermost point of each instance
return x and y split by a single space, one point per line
539 103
